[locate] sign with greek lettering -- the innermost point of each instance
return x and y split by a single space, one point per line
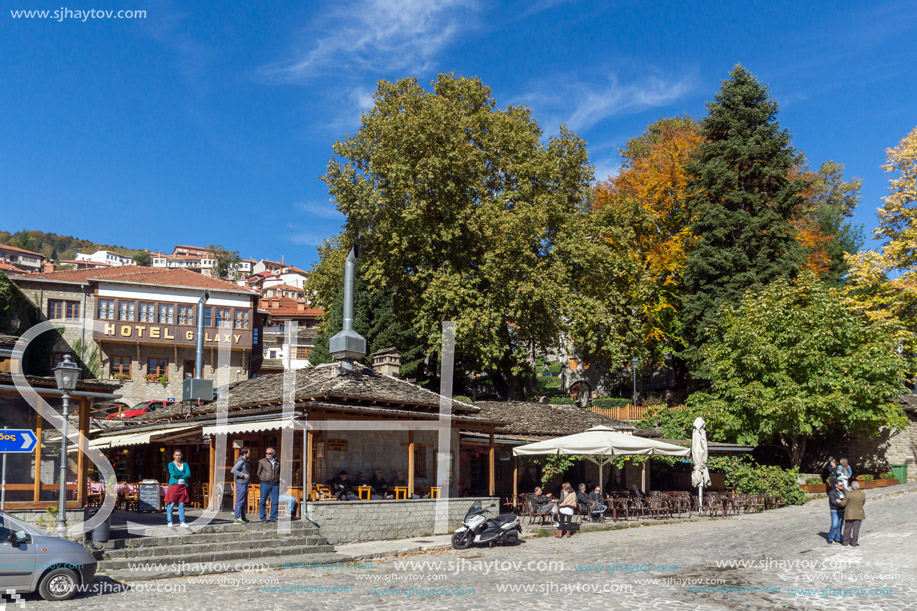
17 441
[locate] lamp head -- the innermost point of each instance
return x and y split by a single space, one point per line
67 374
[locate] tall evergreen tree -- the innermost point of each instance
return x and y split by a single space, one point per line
743 198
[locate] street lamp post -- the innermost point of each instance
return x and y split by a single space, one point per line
633 367
67 373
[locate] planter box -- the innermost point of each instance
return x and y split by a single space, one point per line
881 483
868 485
813 487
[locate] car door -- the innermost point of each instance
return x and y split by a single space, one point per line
16 563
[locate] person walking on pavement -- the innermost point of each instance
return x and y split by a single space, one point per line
836 503
269 476
177 492
242 472
565 510
854 514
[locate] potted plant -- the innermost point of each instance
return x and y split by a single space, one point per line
866 481
887 479
161 379
121 376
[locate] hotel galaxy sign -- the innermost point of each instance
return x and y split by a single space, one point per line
171 334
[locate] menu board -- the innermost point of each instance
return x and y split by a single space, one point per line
148 499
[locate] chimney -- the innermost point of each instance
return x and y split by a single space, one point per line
388 361
301 306
348 345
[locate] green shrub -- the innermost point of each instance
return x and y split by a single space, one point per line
612 402
462 398
562 401
886 475
865 478
814 481
747 477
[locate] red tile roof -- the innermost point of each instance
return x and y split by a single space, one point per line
287 306
283 287
11 269
159 276
28 252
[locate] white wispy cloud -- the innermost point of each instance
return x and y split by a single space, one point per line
581 105
375 34
322 211
350 108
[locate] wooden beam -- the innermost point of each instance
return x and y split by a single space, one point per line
85 405
515 475
310 443
213 460
493 470
36 497
410 463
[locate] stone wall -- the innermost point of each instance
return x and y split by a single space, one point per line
868 452
352 522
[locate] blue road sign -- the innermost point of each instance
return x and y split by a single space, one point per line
14 441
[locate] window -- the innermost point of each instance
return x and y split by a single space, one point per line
126 310
58 308
120 368
106 309
302 352
224 318
208 317
166 314
255 336
185 315
157 367
55 309
273 354
241 319
147 312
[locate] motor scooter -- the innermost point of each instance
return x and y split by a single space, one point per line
477 529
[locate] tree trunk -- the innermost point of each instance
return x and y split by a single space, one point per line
795 447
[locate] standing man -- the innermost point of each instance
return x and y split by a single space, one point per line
269 476
243 475
836 504
854 515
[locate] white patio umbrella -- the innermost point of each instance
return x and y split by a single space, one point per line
598 444
700 477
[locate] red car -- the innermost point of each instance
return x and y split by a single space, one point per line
144 407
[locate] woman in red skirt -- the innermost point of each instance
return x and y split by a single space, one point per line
177 492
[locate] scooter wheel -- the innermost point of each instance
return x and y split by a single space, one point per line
461 540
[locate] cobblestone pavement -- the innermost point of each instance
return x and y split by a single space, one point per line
775 560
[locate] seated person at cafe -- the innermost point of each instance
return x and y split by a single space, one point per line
597 503
398 481
582 498
543 503
636 493
378 483
291 504
341 487
363 482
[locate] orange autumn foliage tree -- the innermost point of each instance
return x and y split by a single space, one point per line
649 194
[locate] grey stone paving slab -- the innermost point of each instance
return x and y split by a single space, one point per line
775 560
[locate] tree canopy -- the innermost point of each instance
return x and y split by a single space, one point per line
743 199
794 358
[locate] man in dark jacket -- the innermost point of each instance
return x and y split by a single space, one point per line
836 503
827 474
269 476
242 473
341 487
597 503
582 498
378 483
853 514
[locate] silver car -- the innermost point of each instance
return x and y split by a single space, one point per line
31 560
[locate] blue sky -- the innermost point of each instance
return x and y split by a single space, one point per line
212 122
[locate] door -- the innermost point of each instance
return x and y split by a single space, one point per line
16 563
188 369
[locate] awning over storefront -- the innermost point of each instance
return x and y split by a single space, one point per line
249 427
135 439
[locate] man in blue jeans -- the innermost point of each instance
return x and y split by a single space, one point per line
269 476
242 473
837 511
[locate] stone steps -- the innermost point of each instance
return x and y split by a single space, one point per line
219 548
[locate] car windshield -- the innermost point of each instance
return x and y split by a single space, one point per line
140 405
15 525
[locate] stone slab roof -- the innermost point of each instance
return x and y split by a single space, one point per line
49 382
541 420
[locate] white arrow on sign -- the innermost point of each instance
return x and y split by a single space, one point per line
29 440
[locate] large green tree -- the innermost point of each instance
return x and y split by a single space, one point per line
225 262
793 360
457 205
743 198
